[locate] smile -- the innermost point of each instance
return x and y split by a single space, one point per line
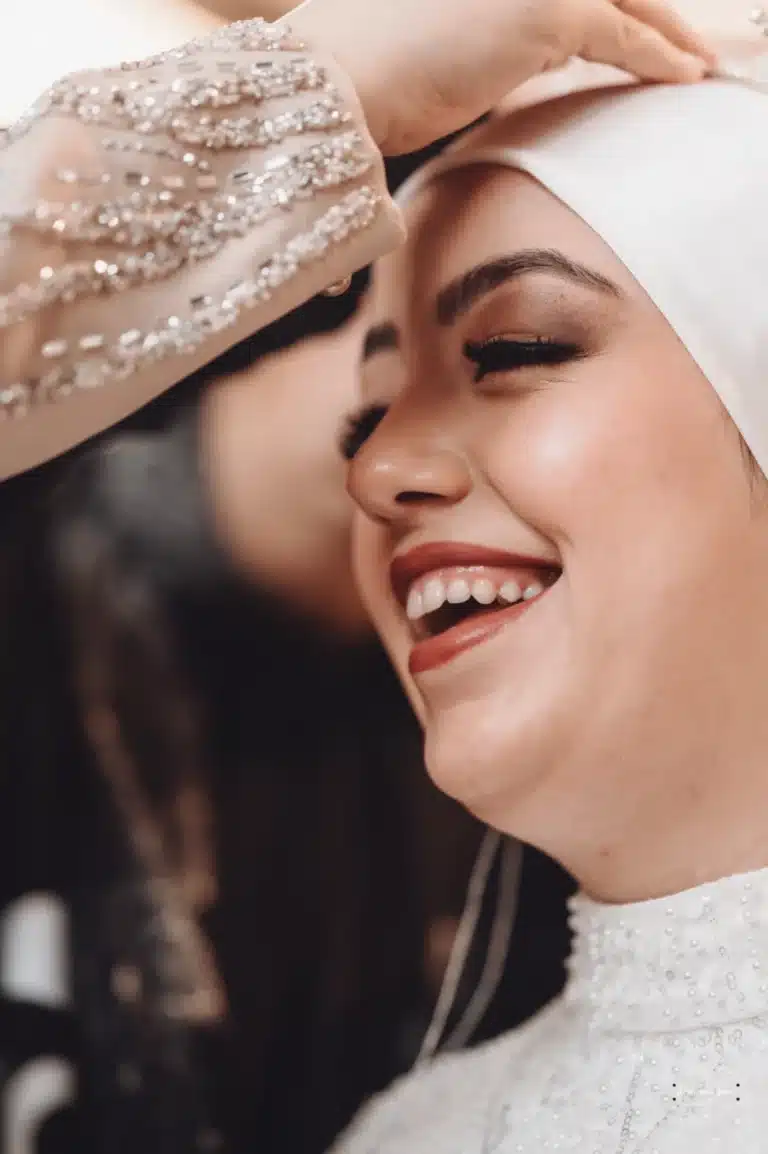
457 596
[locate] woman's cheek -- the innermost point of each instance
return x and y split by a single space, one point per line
571 453
547 460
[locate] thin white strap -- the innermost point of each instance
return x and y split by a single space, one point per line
493 967
498 947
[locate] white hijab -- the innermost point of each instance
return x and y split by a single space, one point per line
675 180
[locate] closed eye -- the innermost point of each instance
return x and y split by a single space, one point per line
503 355
359 427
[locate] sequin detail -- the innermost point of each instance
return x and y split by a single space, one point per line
136 349
658 1046
168 228
243 36
182 109
178 156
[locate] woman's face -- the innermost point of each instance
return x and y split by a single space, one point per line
557 501
276 481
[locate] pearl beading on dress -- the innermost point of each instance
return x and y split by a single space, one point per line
165 175
659 1045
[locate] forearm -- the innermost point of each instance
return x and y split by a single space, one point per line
154 221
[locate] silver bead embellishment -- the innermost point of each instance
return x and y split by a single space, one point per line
135 349
195 158
172 232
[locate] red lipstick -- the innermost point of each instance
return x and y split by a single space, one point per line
479 627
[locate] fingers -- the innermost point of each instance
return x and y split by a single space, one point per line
658 14
614 36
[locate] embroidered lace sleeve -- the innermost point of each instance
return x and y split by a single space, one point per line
153 215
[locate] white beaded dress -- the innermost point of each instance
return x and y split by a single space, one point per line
658 1045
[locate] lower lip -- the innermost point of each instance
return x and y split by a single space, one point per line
437 651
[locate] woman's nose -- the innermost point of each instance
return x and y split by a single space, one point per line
391 481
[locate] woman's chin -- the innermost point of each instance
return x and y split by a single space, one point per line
486 761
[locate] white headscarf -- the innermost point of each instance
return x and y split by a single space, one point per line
675 180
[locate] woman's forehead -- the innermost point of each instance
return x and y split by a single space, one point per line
471 215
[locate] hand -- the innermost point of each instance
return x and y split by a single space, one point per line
426 68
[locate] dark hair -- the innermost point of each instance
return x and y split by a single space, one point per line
135 710
138 733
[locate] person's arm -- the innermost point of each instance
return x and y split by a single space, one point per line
156 215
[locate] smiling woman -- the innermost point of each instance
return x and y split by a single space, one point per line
566 554
514 422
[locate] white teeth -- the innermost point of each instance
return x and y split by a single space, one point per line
415 606
436 592
484 591
434 595
510 591
458 591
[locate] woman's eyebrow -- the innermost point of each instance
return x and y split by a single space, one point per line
380 338
463 292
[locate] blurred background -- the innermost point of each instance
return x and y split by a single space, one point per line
228 891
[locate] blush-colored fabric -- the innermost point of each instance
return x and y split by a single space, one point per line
153 215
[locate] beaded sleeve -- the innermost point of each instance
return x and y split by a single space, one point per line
152 216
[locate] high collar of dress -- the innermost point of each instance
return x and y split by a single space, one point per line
698 959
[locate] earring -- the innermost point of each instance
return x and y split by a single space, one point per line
339 288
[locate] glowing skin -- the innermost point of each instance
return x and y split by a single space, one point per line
619 722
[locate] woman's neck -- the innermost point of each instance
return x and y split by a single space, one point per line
715 837
631 825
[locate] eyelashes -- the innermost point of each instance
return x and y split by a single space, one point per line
497 355
360 426
502 355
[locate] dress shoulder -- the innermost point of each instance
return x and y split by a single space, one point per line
446 1107
155 214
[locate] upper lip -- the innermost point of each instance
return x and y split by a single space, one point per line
406 568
